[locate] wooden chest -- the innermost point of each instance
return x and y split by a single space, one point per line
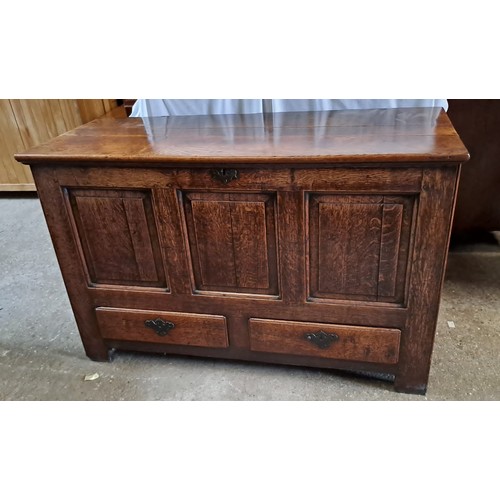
315 239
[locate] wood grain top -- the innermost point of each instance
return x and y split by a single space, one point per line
347 136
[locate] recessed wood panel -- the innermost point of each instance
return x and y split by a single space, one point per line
117 236
358 246
232 241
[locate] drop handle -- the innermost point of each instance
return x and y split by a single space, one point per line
160 326
224 175
322 339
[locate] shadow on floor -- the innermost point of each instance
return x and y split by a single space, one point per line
475 241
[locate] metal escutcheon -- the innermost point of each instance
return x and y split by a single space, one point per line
224 175
322 339
160 326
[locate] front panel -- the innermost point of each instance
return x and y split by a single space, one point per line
231 239
358 246
116 233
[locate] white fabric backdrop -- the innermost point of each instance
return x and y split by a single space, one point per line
183 107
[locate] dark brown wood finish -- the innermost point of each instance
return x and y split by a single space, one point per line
359 247
232 238
201 330
348 136
117 233
128 104
432 235
324 340
76 279
248 234
477 121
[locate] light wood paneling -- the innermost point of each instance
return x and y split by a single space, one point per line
71 113
109 104
25 123
12 173
93 108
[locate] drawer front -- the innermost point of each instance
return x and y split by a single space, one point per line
355 343
201 330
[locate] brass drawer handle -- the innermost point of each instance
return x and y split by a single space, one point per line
160 326
224 175
321 339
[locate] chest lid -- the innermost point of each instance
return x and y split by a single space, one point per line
346 136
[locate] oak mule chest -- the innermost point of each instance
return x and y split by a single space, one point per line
309 238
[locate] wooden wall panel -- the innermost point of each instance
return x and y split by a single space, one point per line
91 109
37 120
109 104
25 123
71 113
13 175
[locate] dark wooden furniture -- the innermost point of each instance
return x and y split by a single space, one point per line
478 204
128 104
315 239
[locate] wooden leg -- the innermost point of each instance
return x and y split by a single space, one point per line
75 279
428 263
409 385
98 352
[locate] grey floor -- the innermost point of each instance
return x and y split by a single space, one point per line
41 357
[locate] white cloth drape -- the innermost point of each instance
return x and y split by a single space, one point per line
184 107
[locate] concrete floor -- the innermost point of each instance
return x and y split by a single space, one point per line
41 356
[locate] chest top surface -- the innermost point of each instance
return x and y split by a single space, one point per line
346 136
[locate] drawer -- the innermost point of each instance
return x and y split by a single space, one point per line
163 327
356 343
